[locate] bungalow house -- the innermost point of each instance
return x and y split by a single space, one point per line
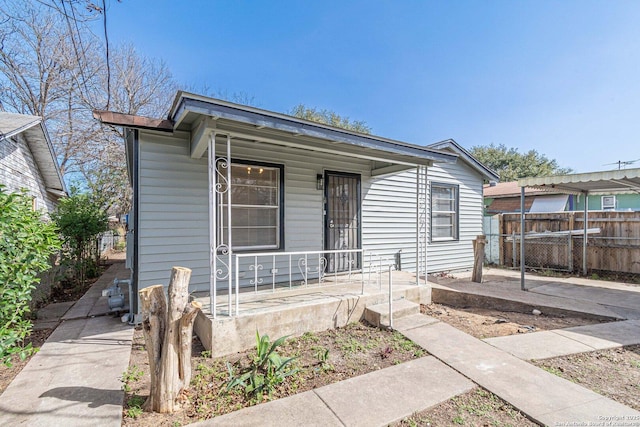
247 197
27 160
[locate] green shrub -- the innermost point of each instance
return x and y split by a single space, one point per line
26 243
81 219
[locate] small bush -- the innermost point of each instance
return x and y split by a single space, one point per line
26 243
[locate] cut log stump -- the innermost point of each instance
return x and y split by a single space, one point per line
168 331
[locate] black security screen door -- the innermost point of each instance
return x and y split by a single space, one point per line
342 220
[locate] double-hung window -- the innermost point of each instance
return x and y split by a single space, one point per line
256 206
444 212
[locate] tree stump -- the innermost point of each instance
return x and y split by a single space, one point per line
478 258
168 330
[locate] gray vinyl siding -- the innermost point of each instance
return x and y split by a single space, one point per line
458 255
174 217
173 213
389 217
174 227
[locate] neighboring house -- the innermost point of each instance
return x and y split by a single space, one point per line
504 197
27 160
296 186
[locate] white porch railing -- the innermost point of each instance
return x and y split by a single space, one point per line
284 270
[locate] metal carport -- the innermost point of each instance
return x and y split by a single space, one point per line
592 183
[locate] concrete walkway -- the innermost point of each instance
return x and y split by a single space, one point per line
544 397
561 342
74 379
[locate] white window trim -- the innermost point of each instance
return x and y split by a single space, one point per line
456 212
608 207
279 197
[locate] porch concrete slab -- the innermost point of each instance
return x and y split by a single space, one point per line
74 379
544 397
538 345
304 409
386 396
604 335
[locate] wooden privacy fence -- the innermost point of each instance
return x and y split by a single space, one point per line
615 247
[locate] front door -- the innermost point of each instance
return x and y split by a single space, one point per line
342 220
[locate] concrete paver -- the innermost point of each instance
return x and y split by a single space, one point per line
544 397
605 335
538 345
304 409
415 386
561 342
74 380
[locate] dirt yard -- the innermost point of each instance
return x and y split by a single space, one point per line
486 323
475 408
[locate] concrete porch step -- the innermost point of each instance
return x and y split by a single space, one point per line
378 315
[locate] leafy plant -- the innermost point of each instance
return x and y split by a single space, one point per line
322 354
132 374
80 219
266 370
133 411
26 243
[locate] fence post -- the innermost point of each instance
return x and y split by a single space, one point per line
478 258
570 243
513 249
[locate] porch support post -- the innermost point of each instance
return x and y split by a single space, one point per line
212 223
421 223
229 250
425 211
585 233
418 226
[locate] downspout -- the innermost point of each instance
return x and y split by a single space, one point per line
133 287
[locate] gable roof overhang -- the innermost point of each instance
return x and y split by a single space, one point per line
37 139
202 115
607 182
449 144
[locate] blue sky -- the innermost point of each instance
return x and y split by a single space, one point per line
561 77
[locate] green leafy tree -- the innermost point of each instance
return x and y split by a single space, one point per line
81 219
26 244
512 165
330 118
